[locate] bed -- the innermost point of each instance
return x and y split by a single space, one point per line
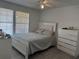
29 43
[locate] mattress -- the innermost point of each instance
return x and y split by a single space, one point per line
31 42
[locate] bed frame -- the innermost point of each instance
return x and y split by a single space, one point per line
22 48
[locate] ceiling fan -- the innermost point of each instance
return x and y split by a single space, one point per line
46 3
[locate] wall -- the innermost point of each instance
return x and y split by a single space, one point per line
34 13
65 16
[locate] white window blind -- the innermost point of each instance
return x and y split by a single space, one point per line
22 22
6 20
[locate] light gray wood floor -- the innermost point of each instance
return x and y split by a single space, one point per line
51 53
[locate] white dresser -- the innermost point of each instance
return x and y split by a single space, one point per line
68 41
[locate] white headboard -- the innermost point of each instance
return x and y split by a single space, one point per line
49 26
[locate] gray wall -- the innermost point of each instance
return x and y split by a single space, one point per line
34 14
65 16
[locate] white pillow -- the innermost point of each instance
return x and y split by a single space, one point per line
47 32
39 31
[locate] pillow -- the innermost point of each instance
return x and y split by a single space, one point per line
39 31
47 32
45 29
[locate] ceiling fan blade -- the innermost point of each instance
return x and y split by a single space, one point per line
45 1
48 5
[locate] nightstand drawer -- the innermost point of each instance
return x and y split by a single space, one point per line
66 45
69 51
67 41
67 36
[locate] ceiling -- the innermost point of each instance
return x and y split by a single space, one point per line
34 4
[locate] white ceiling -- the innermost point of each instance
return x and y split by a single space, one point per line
34 4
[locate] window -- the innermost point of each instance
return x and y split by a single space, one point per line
11 22
6 20
22 22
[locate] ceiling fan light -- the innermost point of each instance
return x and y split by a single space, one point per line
42 6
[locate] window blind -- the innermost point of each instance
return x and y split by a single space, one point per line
6 20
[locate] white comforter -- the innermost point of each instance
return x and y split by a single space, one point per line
33 41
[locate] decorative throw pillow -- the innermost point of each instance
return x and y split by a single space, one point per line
39 31
46 32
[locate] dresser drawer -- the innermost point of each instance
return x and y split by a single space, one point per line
69 51
67 41
70 32
67 36
66 45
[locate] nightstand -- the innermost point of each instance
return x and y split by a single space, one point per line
68 41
